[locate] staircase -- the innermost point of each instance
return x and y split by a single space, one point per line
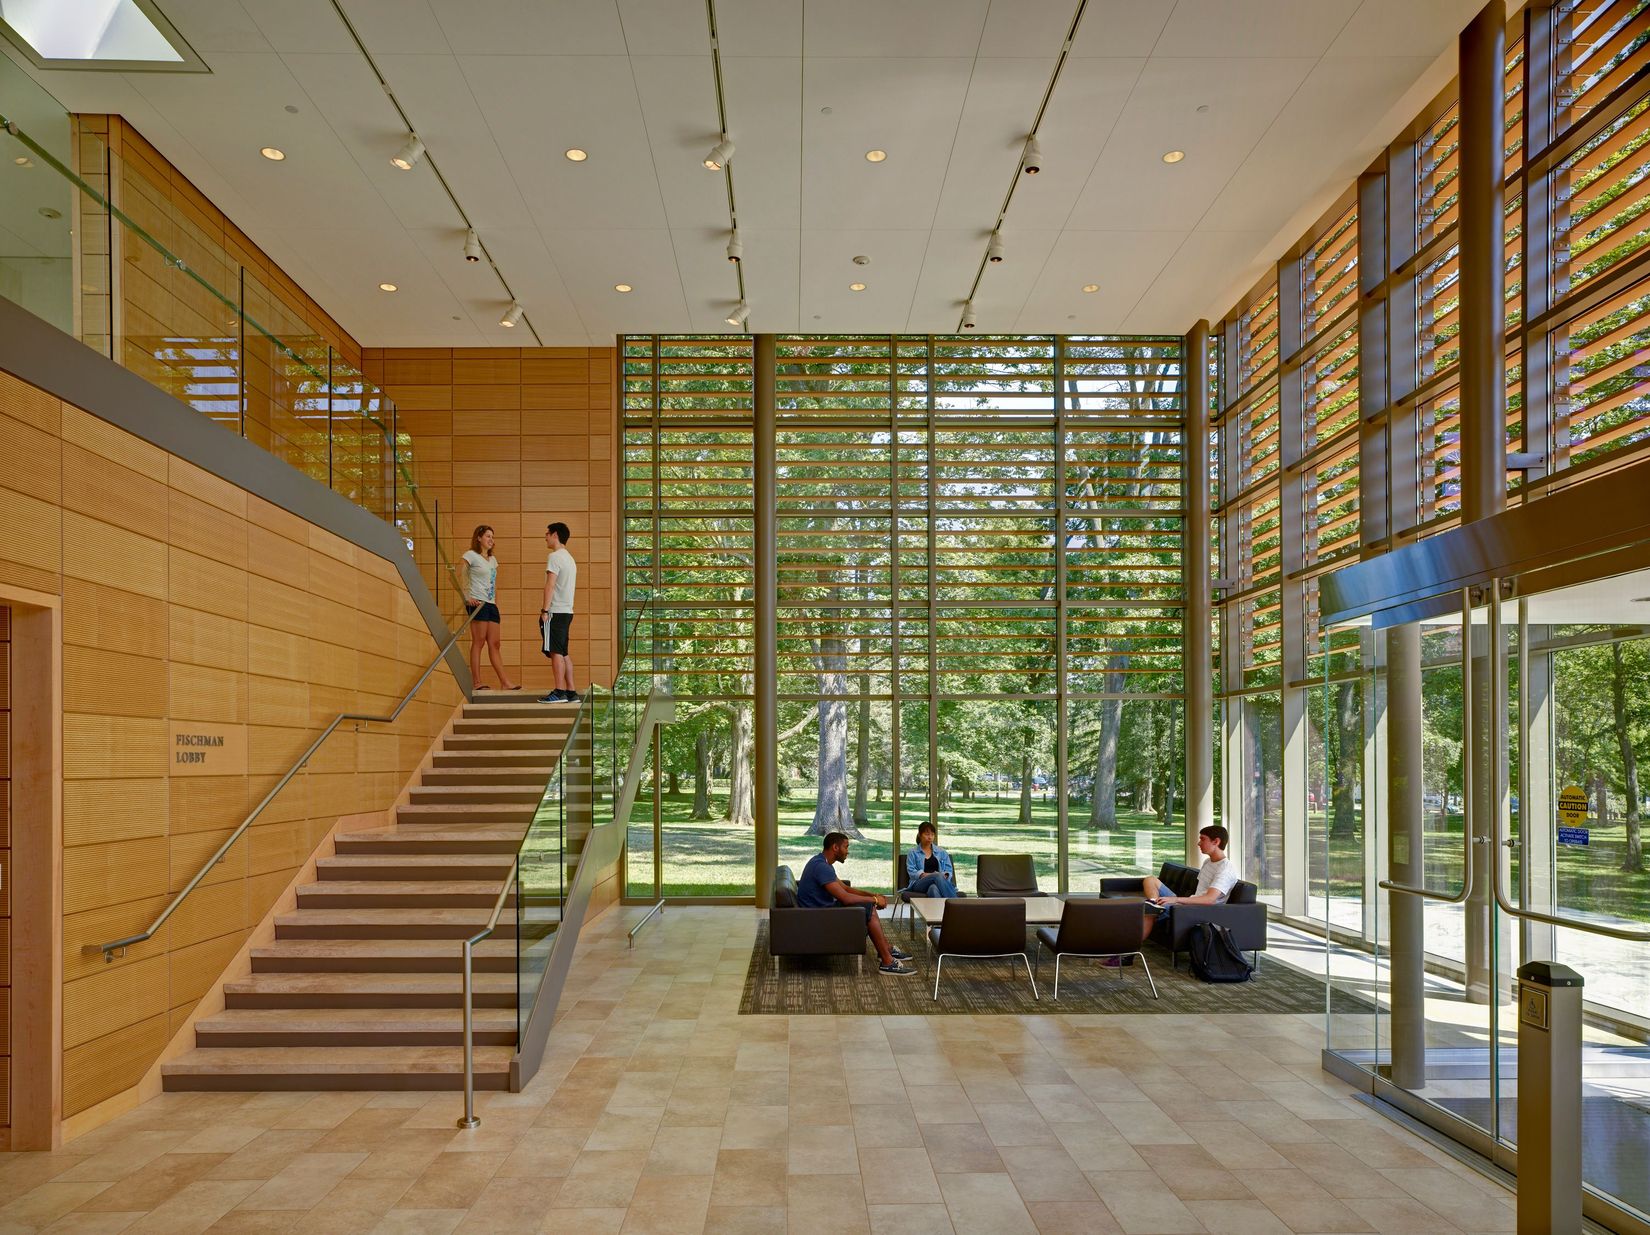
362 986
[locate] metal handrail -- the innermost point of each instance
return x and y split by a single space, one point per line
646 918
1467 810
469 1118
1498 715
119 946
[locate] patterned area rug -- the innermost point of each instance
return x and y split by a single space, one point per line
838 985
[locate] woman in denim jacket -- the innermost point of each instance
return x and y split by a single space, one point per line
928 867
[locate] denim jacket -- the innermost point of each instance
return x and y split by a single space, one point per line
915 859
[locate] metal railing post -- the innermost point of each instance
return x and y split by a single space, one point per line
469 1120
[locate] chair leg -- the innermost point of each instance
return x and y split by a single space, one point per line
1148 969
1056 977
939 964
1030 975
1037 959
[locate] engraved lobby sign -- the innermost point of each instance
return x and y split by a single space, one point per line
201 749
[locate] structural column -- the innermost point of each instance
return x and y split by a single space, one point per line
1198 655
1483 411
1405 855
766 635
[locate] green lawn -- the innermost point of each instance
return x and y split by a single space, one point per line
714 859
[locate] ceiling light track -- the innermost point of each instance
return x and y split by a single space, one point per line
428 158
1030 163
723 140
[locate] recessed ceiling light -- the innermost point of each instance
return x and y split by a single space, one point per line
1091 287
875 156
272 153
386 287
1174 156
856 287
575 155
622 287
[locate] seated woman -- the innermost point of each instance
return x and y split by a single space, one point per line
929 867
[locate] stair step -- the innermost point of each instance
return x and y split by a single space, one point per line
534 738
370 990
504 757
503 774
446 838
477 795
354 1027
459 866
465 812
327 1067
415 894
510 698
496 721
401 923
382 956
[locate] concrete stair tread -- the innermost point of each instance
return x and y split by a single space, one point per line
411 914
432 832
370 984
355 1020
438 955
412 889
463 862
414 1063
481 810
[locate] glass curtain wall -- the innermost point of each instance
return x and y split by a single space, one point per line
980 597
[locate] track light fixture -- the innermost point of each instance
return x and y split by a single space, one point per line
512 315
1032 162
411 151
994 250
741 312
472 246
735 249
969 321
719 155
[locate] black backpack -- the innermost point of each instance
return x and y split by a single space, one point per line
1216 956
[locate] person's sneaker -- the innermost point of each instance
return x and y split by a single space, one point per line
571 696
899 954
896 970
553 697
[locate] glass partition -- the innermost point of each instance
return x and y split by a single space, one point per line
151 285
1525 720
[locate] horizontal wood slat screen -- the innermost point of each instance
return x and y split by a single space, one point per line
192 609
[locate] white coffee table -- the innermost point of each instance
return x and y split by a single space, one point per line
1040 910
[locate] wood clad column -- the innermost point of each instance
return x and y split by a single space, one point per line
765 579
1483 410
1198 658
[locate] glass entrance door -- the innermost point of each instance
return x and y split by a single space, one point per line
1502 823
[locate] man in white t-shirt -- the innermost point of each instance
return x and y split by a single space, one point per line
1215 878
561 575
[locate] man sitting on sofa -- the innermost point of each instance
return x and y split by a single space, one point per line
819 888
1215 878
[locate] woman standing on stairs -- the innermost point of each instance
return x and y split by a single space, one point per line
480 580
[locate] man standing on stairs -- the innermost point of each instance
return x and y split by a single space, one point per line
561 573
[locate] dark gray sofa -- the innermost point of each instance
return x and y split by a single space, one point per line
794 931
1240 912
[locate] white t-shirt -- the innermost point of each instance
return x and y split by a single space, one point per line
1222 876
567 575
481 577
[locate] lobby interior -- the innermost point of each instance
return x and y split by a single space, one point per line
1072 423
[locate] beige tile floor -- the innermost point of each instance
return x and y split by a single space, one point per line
661 1110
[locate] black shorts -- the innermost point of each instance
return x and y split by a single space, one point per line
555 633
484 611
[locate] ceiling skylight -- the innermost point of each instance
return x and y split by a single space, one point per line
96 34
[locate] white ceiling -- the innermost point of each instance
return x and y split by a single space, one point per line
1299 95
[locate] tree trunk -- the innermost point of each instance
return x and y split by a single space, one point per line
1103 806
832 814
862 753
701 776
675 786
741 789
1165 813
1343 819
1025 788
942 800
1632 858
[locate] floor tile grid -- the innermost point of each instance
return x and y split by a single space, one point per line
661 1109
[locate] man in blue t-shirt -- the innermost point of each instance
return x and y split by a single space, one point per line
819 888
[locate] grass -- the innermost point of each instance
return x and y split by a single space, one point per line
715 859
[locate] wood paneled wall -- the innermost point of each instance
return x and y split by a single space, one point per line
517 438
5 867
186 599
